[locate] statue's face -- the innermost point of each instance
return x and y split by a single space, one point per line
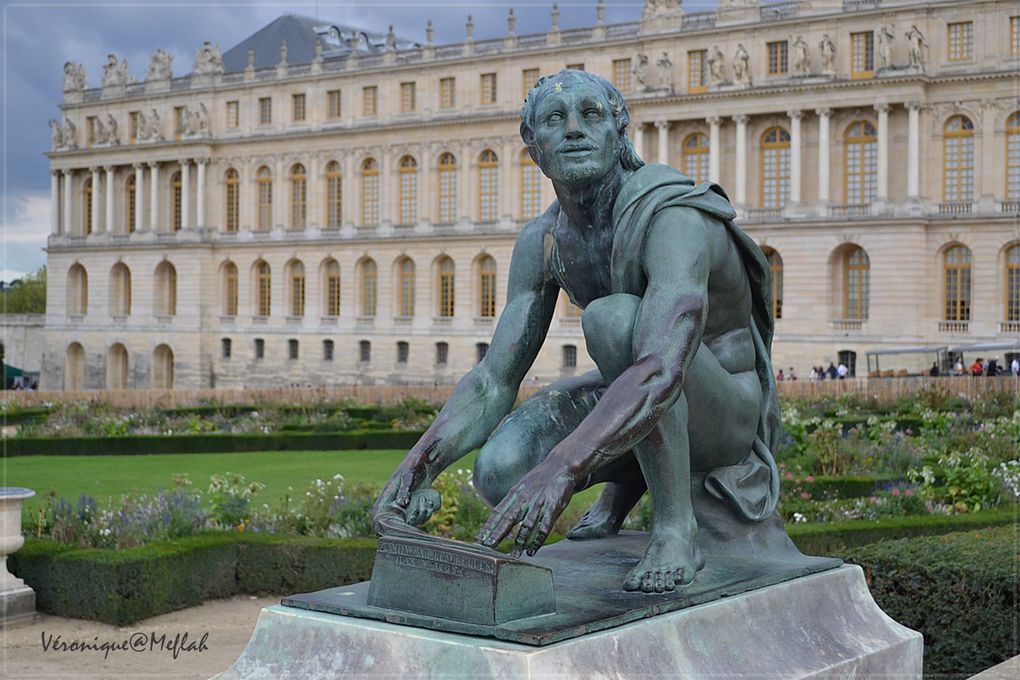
576 135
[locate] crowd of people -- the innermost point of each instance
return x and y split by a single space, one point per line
980 367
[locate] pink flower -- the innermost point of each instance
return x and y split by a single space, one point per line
805 495
809 479
908 493
895 492
789 475
872 500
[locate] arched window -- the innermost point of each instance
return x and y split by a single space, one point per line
120 290
331 296
405 270
297 288
86 207
861 182
117 367
77 291
298 197
531 187
956 270
694 157
229 289
175 201
163 368
488 186
447 292
447 188
958 160
487 287
74 368
369 192
131 196
264 208
369 290
1013 157
1013 284
263 288
856 283
776 269
232 200
334 195
408 190
775 168
166 289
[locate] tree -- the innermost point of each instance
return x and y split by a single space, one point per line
27 295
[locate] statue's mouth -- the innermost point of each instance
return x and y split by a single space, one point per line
576 150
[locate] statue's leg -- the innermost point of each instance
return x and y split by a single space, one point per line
672 557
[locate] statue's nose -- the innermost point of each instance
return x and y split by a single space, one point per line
573 126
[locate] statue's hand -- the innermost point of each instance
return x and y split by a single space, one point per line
536 502
407 497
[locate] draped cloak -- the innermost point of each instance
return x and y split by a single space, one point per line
752 485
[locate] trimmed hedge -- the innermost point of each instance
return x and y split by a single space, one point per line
211 443
958 590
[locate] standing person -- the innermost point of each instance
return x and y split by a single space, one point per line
779 376
814 373
992 369
1014 367
934 370
842 370
832 371
959 367
977 368
793 376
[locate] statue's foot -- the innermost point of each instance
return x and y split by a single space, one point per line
607 514
671 560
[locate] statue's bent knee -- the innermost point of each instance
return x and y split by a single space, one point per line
608 325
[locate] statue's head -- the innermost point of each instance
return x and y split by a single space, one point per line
575 126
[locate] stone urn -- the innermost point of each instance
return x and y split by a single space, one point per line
17 600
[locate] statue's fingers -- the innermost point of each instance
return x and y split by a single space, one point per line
503 517
407 482
527 528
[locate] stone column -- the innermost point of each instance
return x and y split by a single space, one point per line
639 139
507 178
741 169
154 196
663 151
985 181
713 148
68 193
200 199
823 156
883 151
54 203
95 199
109 226
913 150
139 196
795 150
186 194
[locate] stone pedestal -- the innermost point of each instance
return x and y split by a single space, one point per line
822 625
17 600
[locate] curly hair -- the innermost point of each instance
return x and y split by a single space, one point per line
629 158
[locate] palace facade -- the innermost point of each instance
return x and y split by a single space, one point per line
325 205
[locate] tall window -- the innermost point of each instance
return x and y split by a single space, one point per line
776 269
487 287
961 40
861 163
232 199
447 188
694 157
529 77
332 285
778 57
327 350
297 107
569 357
264 209
447 93
229 289
129 206
265 110
298 197
364 351
175 201
369 101
957 278
531 187
120 290
117 367
408 190
333 109
697 71
334 195
163 368
178 121
1013 284
488 88
369 192
133 126
775 168
297 288
369 290
1013 157
406 288
90 131
260 348
263 289
862 54
233 117
166 289
958 159
621 74
442 353
1014 36
86 207
77 291
481 349
856 283
226 347
447 291
74 368
488 186
407 97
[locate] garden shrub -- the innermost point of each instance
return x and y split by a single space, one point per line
288 564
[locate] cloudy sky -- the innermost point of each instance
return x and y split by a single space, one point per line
38 37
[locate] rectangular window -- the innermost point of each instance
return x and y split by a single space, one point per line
862 54
133 127
178 121
407 97
260 348
292 349
333 104
576 67
961 40
1014 36
265 110
447 98
327 350
297 107
779 55
569 356
233 114
364 351
225 343
90 131
621 74
529 77
442 353
369 101
403 352
697 66
488 88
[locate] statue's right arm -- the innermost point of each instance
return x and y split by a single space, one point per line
488 391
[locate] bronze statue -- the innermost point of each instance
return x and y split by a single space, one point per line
677 317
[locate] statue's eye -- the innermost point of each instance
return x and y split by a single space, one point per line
554 117
592 114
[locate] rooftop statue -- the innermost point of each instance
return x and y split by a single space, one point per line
74 77
208 60
677 317
115 73
160 65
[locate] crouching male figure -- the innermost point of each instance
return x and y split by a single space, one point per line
677 317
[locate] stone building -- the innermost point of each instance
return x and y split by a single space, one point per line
322 204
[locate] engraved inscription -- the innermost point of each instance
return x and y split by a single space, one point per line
441 561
